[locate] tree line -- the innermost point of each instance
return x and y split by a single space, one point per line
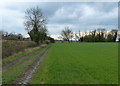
20 37
99 35
35 25
13 36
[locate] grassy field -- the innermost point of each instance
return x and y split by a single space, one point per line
79 63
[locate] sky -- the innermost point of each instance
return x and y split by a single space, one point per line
83 16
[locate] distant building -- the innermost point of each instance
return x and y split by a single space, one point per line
118 36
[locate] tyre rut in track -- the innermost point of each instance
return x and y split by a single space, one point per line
26 77
17 60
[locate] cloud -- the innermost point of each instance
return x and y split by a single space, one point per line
12 21
78 16
84 17
57 28
84 14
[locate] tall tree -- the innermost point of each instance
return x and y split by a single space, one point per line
100 36
93 33
35 24
78 36
114 34
67 34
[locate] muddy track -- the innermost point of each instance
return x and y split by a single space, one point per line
17 60
26 77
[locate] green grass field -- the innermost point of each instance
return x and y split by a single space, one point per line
79 63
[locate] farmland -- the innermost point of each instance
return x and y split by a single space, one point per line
59 43
65 63
79 63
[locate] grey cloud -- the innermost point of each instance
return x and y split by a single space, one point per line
83 14
79 16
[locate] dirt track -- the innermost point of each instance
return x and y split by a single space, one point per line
27 76
17 60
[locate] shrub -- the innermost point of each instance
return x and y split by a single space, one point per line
11 47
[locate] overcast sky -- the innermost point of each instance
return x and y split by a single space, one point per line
83 16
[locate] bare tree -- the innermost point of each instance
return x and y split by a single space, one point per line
67 34
35 24
78 36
